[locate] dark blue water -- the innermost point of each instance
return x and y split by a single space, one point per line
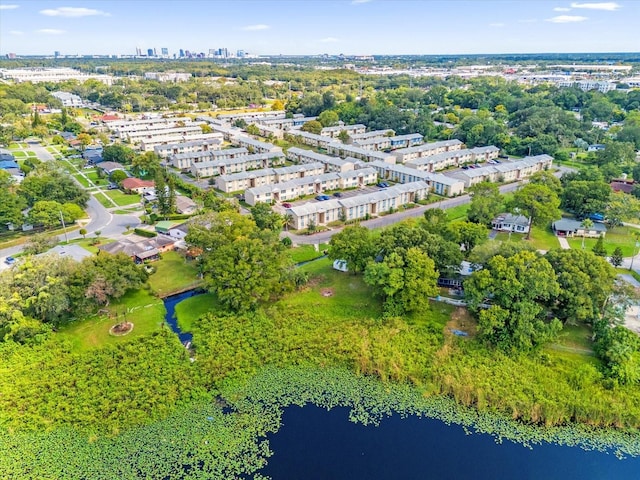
170 317
316 444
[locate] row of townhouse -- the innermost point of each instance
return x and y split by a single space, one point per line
310 185
386 143
454 158
251 116
285 123
256 146
357 207
236 182
228 132
121 127
308 138
332 164
404 155
140 135
341 150
372 134
333 132
238 164
269 131
149 145
213 142
504 172
438 183
183 161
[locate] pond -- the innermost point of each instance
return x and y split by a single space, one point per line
314 443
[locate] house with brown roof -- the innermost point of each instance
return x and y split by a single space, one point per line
136 185
145 250
185 206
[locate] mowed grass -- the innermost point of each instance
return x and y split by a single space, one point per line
173 273
305 253
458 213
191 309
541 238
123 199
139 306
617 237
104 201
81 180
338 295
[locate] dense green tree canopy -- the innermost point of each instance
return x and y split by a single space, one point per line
355 245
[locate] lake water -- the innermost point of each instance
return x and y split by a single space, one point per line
316 444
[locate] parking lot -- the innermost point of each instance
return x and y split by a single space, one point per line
343 194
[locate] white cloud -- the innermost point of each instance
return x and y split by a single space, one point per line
50 31
496 25
562 9
73 12
567 19
8 7
16 32
330 40
528 20
255 28
359 2
608 6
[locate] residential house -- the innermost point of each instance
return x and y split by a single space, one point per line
185 206
136 185
110 167
508 222
568 227
144 250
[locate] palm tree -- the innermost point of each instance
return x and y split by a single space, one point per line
586 224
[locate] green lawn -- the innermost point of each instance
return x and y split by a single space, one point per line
19 154
104 201
87 243
304 253
337 294
143 309
123 199
83 181
173 273
617 237
459 212
541 238
191 309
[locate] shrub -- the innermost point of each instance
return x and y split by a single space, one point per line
144 233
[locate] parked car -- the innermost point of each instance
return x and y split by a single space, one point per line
337 194
322 198
286 205
9 260
465 167
383 185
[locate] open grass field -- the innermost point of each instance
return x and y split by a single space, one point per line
82 180
458 213
191 309
104 200
143 309
304 253
173 273
617 237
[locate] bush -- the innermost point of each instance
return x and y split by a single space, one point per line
144 233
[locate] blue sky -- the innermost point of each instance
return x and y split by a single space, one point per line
263 27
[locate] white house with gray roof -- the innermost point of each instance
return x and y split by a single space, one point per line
256 146
438 183
333 132
406 154
212 142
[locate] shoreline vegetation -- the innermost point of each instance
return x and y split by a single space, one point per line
154 412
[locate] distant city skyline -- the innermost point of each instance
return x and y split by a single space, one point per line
351 27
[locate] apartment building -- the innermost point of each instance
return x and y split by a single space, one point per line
213 142
254 178
341 150
333 164
404 155
237 164
256 146
504 172
333 132
183 161
438 183
149 145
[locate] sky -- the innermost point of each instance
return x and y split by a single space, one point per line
308 27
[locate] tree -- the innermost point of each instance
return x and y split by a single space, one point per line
213 230
436 220
277 106
486 203
83 232
622 206
48 182
619 348
599 249
118 176
616 257
312 126
252 129
11 206
85 140
355 245
249 270
539 202
405 282
266 218
118 153
46 213
146 164
517 288
586 224
343 136
585 197
545 177
467 234
328 118
585 280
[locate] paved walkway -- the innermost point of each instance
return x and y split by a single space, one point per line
563 243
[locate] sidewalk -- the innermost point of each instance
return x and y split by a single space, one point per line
563 243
